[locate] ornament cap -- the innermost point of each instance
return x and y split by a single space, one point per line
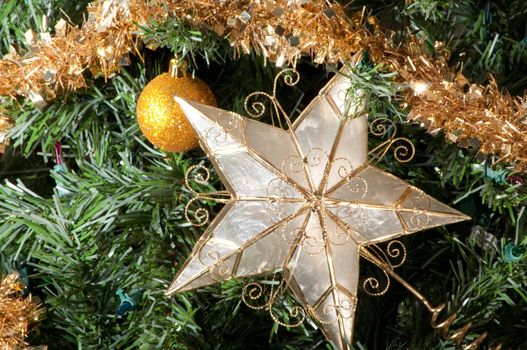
177 68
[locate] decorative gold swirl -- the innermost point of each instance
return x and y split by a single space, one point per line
311 244
384 127
219 269
352 214
291 234
343 166
275 210
358 186
217 136
374 287
393 257
278 189
295 312
343 310
419 218
257 109
291 78
200 175
199 217
254 291
396 250
313 158
458 335
339 236
381 126
403 153
332 312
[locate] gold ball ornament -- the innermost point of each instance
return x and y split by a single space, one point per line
159 116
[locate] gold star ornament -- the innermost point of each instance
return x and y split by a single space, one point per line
304 200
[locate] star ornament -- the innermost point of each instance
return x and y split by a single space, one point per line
305 201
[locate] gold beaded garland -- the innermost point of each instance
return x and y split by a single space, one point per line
159 116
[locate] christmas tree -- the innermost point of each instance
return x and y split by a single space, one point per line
103 194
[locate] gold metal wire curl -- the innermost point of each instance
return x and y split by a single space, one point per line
254 291
199 174
256 109
394 256
374 287
458 335
404 150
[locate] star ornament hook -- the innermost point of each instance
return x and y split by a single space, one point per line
303 200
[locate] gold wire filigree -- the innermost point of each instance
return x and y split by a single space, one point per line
199 174
254 292
257 109
219 136
404 150
344 309
394 256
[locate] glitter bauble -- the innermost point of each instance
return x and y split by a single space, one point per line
161 119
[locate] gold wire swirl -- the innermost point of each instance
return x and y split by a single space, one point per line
399 251
458 335
394 256
374 287
296 312
290 79
254 291
384 127
358 186
381 126
219 271
219 135
200 175
199 217
312 159
257 109
403 153
345 168
340 236
343 310
312 245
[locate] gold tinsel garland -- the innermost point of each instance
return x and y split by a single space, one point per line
441 98
280 30
16 313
